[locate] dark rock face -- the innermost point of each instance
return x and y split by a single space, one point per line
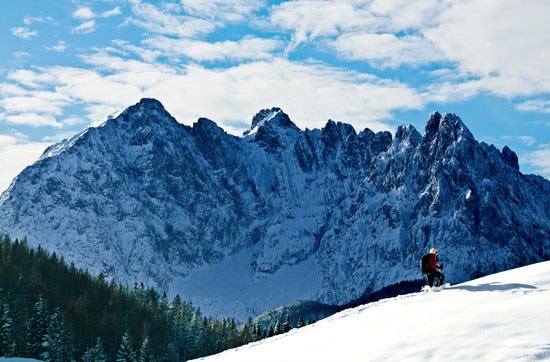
144 198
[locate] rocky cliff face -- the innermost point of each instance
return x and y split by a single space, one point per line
242 224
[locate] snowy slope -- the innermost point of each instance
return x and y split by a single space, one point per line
240 225
501 317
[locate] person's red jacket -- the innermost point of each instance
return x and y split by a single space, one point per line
432 262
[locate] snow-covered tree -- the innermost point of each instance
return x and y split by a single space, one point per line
286 324
37 330
95 353
6 328
145 354
125 351
55 338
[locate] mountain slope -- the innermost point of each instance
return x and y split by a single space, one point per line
501 317
240 225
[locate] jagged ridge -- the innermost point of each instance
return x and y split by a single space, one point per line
327 214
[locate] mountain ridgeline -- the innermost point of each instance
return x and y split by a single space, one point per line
239 225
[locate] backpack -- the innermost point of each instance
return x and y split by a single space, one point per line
425 264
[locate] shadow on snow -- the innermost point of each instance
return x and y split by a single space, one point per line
493 287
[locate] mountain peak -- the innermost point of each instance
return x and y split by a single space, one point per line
447 128
275 115
147 104
147 109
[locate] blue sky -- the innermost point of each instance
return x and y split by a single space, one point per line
70 64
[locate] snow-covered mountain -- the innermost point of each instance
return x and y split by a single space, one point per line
501 317
239 225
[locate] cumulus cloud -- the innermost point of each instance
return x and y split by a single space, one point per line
31 103
31 119
503 43
170 21
308 20
88 16
23 32
310 92
59 47
16 152
228 10
85 13
535 105
109 13
497 47
85 28
539 160
405 15
29 20
387 50
248 48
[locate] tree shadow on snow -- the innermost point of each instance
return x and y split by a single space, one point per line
493 287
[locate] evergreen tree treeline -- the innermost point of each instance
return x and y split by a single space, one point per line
54 312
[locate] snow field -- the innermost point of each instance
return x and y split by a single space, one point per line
502 317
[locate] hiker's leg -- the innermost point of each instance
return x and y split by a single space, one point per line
441 278
431 277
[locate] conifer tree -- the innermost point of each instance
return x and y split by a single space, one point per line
95 353
38 328
286 324
55 338
246 335
145 354
6 328
125 351
278 328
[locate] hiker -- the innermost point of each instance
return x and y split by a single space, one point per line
430 266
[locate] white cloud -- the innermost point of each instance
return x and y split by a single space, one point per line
16 152
539 161
387 50
31 119
29 20
31 104
405 15
109 13
149 55
228 10
497 47
535 105
310 93
29 78
84 13
21 55
504 43
85 28
248 48
87 13
69 121
308 20
23 32
167 21
10 90
527 140
59 47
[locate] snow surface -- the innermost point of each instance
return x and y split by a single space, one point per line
501 317
17 359
233 287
